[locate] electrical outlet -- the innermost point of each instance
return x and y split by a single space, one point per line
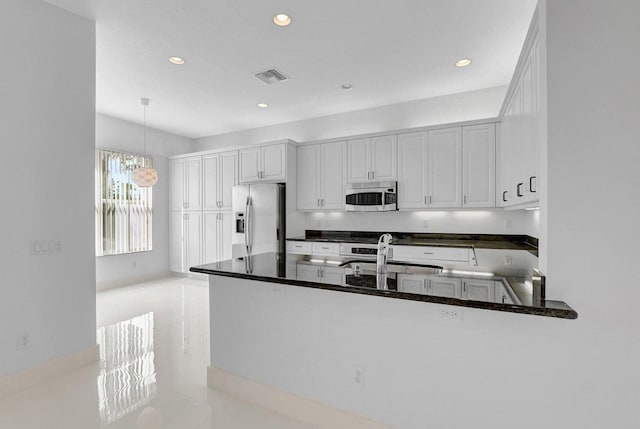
277 289
451 313
508 260
425 223
45 247
133 263
24 341
358 376
508 224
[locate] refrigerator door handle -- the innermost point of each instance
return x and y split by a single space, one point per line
247 231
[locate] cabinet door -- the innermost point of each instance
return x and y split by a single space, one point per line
193 238
445 168
274 162
445 287
177 186
478 166
210 220
411 283
308 273
308 174
250 164
193 186
176 242
333 276
412 170
531 118
384 158
359 160
332 175
228 178
225 230
478 290
211 185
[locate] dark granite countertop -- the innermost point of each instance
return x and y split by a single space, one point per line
521 295
479 241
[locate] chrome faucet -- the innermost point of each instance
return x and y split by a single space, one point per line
381 262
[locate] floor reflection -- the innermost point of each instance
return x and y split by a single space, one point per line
128 380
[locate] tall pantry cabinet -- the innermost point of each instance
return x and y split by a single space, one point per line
200 201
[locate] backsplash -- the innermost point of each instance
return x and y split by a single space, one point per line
446 221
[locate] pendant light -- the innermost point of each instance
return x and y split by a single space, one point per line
145 177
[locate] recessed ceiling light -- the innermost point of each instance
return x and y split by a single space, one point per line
282 19
176 60
463 62
347 86
263 105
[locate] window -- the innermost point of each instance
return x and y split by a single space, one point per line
123 210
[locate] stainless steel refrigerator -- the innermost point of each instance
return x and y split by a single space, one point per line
258 219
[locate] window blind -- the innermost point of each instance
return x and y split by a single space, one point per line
123 209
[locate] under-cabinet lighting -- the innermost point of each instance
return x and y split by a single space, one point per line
532 208
317 261
468 273
334 262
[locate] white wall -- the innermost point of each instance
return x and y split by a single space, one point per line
492 369
112 133
461 221
47 118
466 106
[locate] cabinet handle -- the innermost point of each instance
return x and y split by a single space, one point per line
373 174
504 196
368 175
322 202
425 200
429 199
503 299
318 202
519 192
465 199
531 179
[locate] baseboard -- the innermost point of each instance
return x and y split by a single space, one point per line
23 380
118 283
290 405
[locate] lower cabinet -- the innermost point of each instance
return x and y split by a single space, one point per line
197 238
217 236
185 240
320 274
449 287
429 285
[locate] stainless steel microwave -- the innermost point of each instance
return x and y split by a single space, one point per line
371 197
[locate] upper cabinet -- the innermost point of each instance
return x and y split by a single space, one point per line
413 192
186 184
220 175
264 163
321 174
445 168
479 166
372 159
521 133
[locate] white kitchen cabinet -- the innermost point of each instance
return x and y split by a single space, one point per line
478 290
478 166
217 236
430 285
325 249
264 163
299 247
186 184
372 159
412 170
445 168
444 286
320 274
427 254
321 176
520 135
185 238
412 283
220 175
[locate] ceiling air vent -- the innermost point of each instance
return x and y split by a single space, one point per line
270 76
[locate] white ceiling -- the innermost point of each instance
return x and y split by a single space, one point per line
390 50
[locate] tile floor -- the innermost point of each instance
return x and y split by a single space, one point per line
154 342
